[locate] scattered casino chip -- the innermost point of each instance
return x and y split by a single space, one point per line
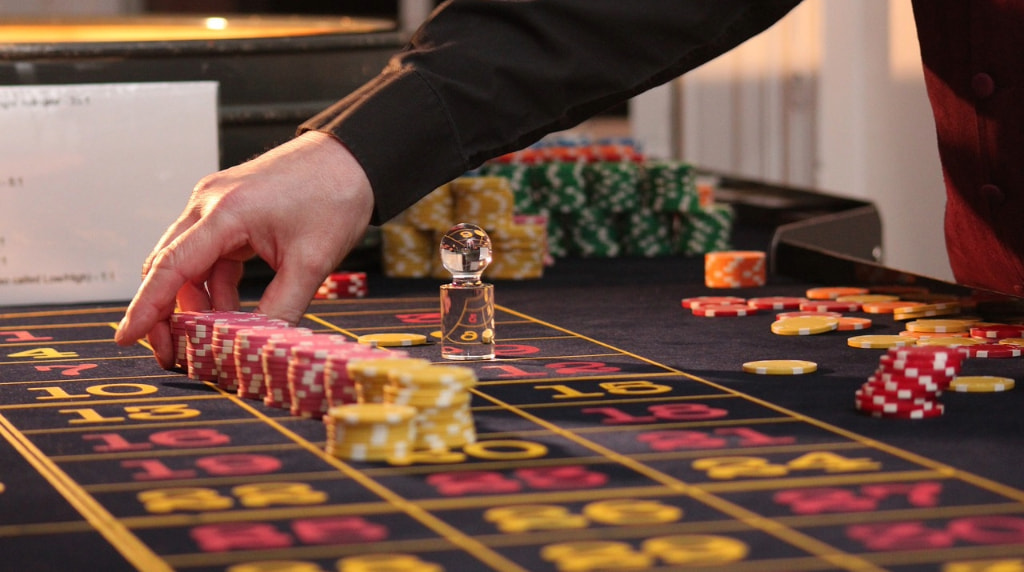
722 310
879 341
867 298
981 384
340 285
829 306
995 351
784 315
396 340
997 331
849 324
950 341
780 367
887 307
937 326
776 303
690 303
735 269
833 292
804 326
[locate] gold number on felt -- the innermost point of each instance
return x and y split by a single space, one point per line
628 512
43 353
696 549
168 412
832 463
638 387
163 501
588 555
529 517
387 563
276 566
260 495
735 467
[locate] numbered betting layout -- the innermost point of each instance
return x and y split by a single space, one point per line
587 457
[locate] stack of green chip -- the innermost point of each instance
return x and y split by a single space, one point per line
705 230
669 187
560 187
591 234
612 186
647 233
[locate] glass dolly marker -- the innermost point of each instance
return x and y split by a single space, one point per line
467 304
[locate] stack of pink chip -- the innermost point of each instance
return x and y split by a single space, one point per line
199 343
223 346
306 372
248 357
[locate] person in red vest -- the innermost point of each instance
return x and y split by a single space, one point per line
483 78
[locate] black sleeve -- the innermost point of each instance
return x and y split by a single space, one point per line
485 77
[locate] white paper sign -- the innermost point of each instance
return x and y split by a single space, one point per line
90 177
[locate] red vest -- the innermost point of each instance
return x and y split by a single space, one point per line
973 54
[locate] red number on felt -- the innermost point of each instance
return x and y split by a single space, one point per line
574 367
469 482
989 529
865 498
512 350
686 412
900 536
750 438
239 536
428 318
338 530
187 438
13 336
238 464
155 470
676 440
614 416
68 370
115 443
562 478
820 500
512 371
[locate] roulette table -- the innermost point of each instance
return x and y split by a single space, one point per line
615 430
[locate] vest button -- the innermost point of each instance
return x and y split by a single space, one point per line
982 85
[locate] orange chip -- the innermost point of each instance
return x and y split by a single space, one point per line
833 292
734 269
849 324
887 307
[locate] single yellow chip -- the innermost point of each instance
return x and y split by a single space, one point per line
867 298
1012 342
938 326
780 367
949 342
880 342
833 292
392 340
981 383
804 325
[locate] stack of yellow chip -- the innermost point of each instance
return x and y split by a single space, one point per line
522 247
370 432
408 251
441 397
370 376
487 201
410 241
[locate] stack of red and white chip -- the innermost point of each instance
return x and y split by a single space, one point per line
224 336
202 365
342 285
248 354
277 353
306 372
909 382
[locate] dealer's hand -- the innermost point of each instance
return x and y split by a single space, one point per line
301 207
